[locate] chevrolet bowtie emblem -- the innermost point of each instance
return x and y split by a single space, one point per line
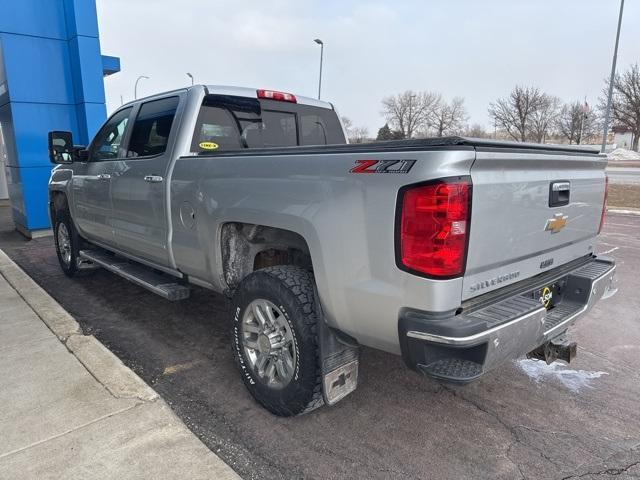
556 223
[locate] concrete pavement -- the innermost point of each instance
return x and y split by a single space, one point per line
626 175
72 410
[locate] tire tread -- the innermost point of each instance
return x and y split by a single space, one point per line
300 283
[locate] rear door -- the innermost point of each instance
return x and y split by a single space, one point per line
138 181
531 211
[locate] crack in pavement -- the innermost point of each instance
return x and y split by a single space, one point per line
513 431
609 471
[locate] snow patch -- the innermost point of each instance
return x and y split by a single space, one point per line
574 380
623 154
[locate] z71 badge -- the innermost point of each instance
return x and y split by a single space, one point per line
382 166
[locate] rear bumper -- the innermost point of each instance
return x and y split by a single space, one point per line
462 347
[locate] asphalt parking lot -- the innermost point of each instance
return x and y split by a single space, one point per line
524 420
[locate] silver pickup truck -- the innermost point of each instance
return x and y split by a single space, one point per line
458 254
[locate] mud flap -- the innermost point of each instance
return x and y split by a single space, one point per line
339 356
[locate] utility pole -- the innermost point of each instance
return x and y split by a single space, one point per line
607 113
321 43
135 87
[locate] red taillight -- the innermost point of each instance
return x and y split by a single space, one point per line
604 203
434 227
280 96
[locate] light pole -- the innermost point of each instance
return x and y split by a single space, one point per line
191 77
611 81
321 43
135 87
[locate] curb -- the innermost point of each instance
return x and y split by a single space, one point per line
50 312
108 370
623 211
105 367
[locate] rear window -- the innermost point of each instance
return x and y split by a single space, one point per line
278 129
320 130
232 123
215 129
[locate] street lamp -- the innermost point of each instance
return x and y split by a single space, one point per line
135 88
319 42
611 81
191 77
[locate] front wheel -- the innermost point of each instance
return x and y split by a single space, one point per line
274 339
66 241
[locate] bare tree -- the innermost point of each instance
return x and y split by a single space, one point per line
354 134
476 131
543 118
514 113
626 102
359 135
347 124
408 112
448 118
576 122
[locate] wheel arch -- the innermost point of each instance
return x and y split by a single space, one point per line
58 202
247 247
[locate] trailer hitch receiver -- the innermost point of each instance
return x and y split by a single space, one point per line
556 349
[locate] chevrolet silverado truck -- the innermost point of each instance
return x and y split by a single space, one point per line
458 254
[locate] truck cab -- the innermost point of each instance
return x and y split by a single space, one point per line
118 189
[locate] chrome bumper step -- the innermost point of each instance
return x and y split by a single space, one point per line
453 370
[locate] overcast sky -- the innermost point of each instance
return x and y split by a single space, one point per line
470 48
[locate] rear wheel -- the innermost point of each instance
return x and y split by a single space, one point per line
67 243
274 339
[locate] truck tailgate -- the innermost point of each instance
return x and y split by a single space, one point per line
521 221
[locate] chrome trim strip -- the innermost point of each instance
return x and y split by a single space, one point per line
471 338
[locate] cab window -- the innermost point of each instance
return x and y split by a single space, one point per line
216 129
279 129
106 145
151 129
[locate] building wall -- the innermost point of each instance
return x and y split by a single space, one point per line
623 140
51 78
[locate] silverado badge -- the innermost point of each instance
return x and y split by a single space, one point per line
556 223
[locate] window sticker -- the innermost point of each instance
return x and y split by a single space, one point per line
208 145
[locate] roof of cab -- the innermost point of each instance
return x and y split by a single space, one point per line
230 90
253 93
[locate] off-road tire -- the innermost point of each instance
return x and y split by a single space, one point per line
292 290
70 269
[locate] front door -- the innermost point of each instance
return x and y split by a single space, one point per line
91 205
138 182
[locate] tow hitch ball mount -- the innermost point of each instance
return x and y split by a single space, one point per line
556 349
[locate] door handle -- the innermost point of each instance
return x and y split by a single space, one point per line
104 176
153 178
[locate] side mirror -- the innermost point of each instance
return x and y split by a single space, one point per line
61 147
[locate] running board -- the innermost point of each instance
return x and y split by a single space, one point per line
158 283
